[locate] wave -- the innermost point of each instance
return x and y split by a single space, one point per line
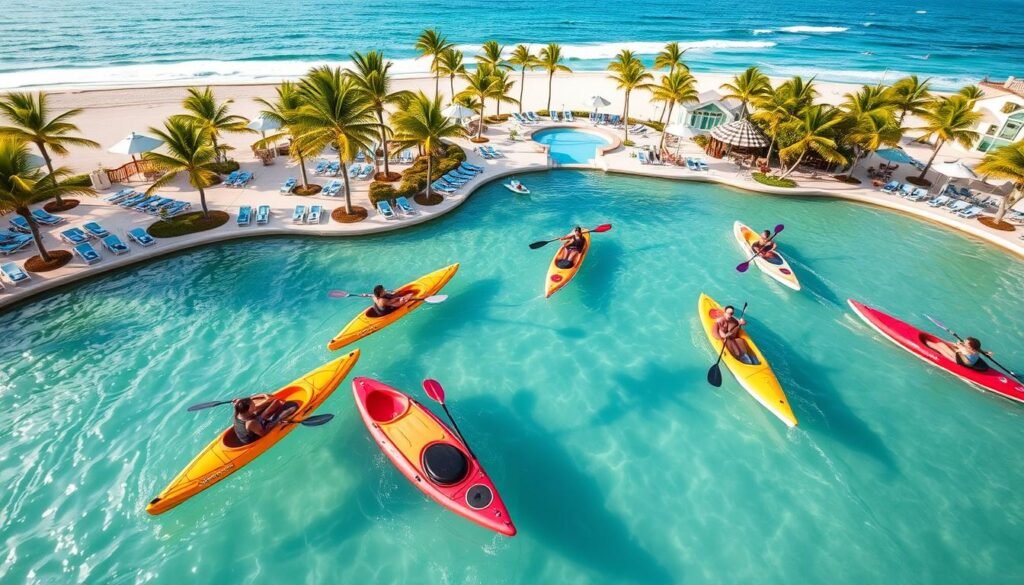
584 52
921 12
803 29
762 31
939 82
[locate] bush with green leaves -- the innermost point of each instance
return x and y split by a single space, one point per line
773 181
226 167
381 192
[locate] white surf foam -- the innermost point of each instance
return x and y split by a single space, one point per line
804 29
609 50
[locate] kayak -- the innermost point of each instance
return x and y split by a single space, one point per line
758 380
559 277
517 187
225 455
775 266
916 342
430 455
368 322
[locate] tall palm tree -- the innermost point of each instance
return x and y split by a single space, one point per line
421 123
22 184
870 121
910 95
678 87
449 63
481 84
335 112
491 55
801 91
671 58
747 87
1006 162
948 119
629 73
503 85
190 151
814 131
212 116
522 57
432 43
282 111
777 108
372 79
32 122
551 61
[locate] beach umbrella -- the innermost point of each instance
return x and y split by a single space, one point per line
741 133
457 112
682 131
262 125
896 155
596 101
953 169
35 161
134 144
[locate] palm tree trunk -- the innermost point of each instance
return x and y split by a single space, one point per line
795 165
1007 203
437 76
348 191
551 77
625 118
302 169
383 142
34 228
661 145
202 203
771 146
430 169
856 160
451 84
49 167
522 86
216 149
480 125
935 153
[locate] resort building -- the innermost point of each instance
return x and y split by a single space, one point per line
710 111
1002 109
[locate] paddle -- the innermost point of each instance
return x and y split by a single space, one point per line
745 265
715 373
1012 374
599 229
204 405
436 392
343 294
312 421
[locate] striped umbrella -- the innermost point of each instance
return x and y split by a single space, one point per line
741 133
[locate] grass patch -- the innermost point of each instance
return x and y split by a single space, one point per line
79 181
58 258
773 181
188 223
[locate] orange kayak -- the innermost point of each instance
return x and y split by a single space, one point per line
225 455
368 322
559 277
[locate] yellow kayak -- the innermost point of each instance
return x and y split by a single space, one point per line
367 321
225 456
758 380
559 277
775 266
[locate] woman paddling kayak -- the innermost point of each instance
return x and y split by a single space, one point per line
967 352
729 330
572 249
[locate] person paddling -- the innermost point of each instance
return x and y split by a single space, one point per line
572 249
728 329
765 246
966 352
256 415
385 301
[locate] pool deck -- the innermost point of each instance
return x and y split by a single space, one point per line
520 156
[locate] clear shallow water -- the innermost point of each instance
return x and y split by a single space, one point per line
120 42
590 410
567 146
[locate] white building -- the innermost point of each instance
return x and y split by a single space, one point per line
1002 110
711 110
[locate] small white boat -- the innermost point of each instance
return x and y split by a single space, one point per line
517 187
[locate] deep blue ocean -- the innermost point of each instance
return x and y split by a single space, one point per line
89 42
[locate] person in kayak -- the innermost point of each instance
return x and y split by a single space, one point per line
764 246
256 415
728 329
385 301
966 352
572 249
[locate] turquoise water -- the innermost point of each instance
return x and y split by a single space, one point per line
590 410
181 41
568 146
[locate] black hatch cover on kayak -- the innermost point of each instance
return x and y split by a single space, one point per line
479 497
445 464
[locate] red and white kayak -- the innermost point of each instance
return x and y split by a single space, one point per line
430 455
916 342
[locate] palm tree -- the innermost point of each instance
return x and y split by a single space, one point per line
551 61
671 57
481 84
282 111
972 92
432 43
503 86
948 119
449 63
678 87
910 96
870 121
813 131
212 117
747 87
190 150
802 92
522 57
22 184
422 124
1006 162
491 55
373 81
629 73
335 112
31 122
776 109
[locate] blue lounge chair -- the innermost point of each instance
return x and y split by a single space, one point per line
905 190
518 119
177 207
437 186
354 169
333 188
472 167
11 242
244 215
74 236
244 179
532 116
567 116
262 215
47 219
404 206
299 215
890 186
120 195
231 178
115 245
701 164
384 208
360 156
333 169
919 194
14 273
939 201
971 212
314 214
484 153
615 120
140 237
492 151
87 253
132 200
958 206
288 185
554 116
367 172
155 209
321 167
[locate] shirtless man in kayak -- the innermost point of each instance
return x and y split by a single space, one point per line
572 249
385 301
256 415
765 246
966 352
728 329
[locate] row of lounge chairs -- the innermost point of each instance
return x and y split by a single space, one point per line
489 152
531 118
245 214
451 181
115 245
239 179
307 215
405 157
151 204
42 217
12 241
356 170
13 274
958 207
389 213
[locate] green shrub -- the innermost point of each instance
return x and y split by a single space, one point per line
773 181
408 189
455 151
381 192
79 181
188 223
225 168
655 125
701 140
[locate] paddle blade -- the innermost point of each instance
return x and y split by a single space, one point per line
315 421
715 376
536 245
339 294
779 228
205 405
742 267
436 299
602 228
434 390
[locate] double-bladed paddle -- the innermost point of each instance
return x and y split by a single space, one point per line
343 294
742 267
599 229
436 392
312 421
1012 374
715 372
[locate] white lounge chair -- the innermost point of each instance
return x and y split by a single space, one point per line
939 201
87 253
568 117
140 237
971 212
288 185
299 215
385 209
115 245
958 206
262 214
13 273
404 206
314 214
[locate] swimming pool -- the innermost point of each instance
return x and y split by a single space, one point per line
571 145
589 410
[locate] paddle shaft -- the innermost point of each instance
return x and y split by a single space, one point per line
1008 371
597 230
457 431
760 252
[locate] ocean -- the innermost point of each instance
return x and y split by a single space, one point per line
103 42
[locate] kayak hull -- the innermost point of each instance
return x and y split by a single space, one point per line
758 380
775 267
914 341
559 277
404 429
521 190
224 456
365 323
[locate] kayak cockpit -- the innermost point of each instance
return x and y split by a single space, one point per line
384 407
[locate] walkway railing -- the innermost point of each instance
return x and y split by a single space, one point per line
123 174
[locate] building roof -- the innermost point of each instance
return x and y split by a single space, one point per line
998 89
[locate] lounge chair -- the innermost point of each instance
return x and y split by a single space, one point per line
905 190
321 167
553 115
958 206
74 236
120 195
484 153
691 165
87 253
354 170
245 215
384 208
615 120
46 218
702 164
140 237
641 155
334 187
263 215
890 186
288 185
436 186
407 157
965 192
493 151
939 201
404 206
244 179
11 242
314 214
178 207
115 245
567 116
155 209
299 215
971 212
518 118
638 129
532 116
132 200
471 167
919 194
13 273
230 180
360 156
367 172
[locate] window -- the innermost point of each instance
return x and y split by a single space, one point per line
706 118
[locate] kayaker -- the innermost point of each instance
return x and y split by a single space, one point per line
966 352
572 249
728 329
765 246
385 301
256 415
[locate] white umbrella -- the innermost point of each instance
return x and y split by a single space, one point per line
135 144
35 161
953 169
680 130
262 124
457 111
596 101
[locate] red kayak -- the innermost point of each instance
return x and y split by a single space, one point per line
430 455
916 342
